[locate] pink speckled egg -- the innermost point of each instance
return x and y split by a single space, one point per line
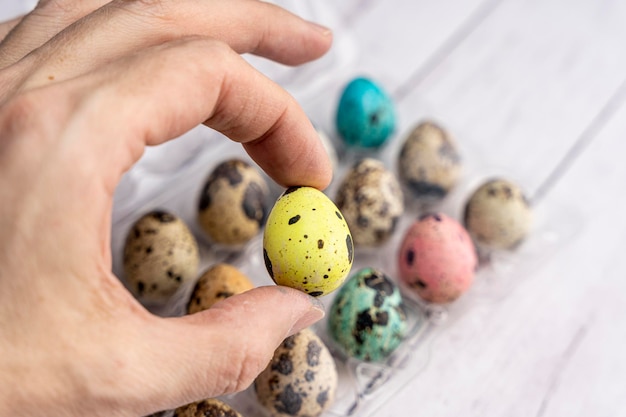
437 258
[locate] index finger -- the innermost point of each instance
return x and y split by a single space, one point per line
164 91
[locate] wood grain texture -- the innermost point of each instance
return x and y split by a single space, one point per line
554 345
537 88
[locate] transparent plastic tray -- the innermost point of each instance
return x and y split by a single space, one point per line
171 177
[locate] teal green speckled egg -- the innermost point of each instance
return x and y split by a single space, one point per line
367 318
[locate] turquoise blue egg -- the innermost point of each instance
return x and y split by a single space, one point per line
367 318
365 115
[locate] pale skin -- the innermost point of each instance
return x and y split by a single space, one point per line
85 85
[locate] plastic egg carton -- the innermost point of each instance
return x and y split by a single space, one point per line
171 177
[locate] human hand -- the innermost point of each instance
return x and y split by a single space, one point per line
84 87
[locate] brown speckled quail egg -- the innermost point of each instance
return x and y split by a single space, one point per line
217 283
233 203
429 164
498 215
160 255
300 380
371 201
211 407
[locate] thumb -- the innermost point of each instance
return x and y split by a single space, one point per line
222 349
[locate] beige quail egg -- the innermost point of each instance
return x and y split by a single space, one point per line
160 255
233 203
300 380
429 164
217 283
498 215
371 201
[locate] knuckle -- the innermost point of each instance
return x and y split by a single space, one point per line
21 112
65 10
237 114
34 120
159 9
60 5
198 46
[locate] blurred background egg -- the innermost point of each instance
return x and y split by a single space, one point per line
160 256
367 317
498 215
366 116
429 164
437 259
371 200
211 407
217 283
307 244
300 380
233 203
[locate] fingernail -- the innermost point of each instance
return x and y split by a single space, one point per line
321 29
314 314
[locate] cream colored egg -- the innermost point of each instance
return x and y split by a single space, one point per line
429 164
160 255
371 200
498 215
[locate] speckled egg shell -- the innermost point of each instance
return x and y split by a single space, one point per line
207 408
437 258
307 243
233 203
367 318
217 283
498 215
371 201
160 255
365 115
429 164
300 380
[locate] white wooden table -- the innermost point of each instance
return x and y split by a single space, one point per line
537 88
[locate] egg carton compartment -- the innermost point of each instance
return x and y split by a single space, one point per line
363 387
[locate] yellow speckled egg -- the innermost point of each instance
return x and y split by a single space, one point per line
307 244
